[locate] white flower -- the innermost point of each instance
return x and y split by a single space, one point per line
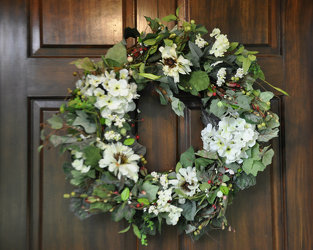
200 42
221 76
98 92
173 65
215 32
124 74
163 206
78 164
155 175
164 181
231 140
121 160
100 144
111 135
186 181
118 87
239 73
219 194
220 45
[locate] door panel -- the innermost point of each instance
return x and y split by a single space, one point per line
38 40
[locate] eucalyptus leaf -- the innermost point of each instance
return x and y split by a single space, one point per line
56 122
117 53
188 157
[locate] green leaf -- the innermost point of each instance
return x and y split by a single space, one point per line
232 46
145 201
149 76
177 11
224 190
256 152
136 231
110 62
188 157
57 140
151 190
169 18
201 29
244 181
92 155
125 194
168 42
83 120
225 178
266 96
207 154
204 186
104 207
189 210
85 64
178 166
199 80
278 89
267 134
252 167
117 53
216 109
150 42
178 106
244 102
129 141
39 148
202 162
267 157
246 64
125 230
55 122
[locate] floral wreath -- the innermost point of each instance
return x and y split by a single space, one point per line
108 168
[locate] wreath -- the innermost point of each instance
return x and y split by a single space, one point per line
97 125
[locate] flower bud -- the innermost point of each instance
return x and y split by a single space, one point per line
130 59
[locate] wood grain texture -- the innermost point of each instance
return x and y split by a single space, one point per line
277 211
77 22
77 28
299 122
254 23
13 142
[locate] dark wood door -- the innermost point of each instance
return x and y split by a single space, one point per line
38 39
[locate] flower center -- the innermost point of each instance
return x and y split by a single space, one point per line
185 186
170 62
120 158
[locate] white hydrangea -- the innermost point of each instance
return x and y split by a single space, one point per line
221 76
112 135
173 65
78 164
115 96
239 73
200 42
231 140
215 32
164 181
163 206
221 43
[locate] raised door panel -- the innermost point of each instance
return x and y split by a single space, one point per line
254 23
77 28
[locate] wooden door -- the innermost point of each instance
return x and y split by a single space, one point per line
38 39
